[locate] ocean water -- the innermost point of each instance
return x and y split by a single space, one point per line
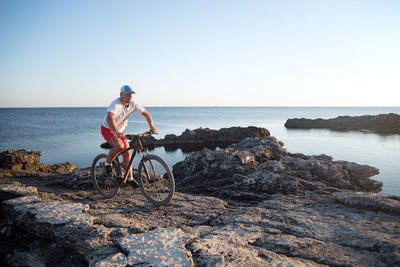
73 134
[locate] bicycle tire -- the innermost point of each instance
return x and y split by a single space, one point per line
156 180
107 186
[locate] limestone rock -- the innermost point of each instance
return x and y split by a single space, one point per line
117 260
23 163
15 189
78 178
159 247
20 160
317 228
66 223
232 246
256 167
369 201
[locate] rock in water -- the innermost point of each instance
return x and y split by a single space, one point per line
194 140
382 123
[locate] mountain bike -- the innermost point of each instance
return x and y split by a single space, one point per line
153 174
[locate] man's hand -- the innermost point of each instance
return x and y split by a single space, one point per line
149 120
120 135
153 130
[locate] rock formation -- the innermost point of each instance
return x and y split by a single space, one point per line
316 229
22 162
383 123
257 167
265 207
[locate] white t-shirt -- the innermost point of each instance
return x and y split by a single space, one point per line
122 113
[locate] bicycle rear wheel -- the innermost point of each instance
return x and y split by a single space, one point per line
107 185
156 180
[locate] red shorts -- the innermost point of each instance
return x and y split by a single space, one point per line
107 133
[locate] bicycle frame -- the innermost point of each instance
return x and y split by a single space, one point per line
137 147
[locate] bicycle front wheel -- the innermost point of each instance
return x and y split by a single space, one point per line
107 185
156 180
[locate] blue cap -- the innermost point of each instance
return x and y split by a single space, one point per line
127 90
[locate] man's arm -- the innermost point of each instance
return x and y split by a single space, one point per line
111 121
149 120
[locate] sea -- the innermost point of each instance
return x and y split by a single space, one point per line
73 134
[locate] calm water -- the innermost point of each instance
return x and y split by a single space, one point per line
73 134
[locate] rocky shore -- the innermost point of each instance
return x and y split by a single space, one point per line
383 123
252 203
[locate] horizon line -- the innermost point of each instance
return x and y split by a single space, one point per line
213 106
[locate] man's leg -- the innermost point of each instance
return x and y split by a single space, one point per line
117 145
126 156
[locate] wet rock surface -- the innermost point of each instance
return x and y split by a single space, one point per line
382 123
250 204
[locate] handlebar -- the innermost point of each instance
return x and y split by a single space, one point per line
135 136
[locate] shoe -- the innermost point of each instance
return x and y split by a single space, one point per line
132 183
106 169
109 170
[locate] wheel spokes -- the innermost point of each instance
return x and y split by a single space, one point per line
107 185
153 180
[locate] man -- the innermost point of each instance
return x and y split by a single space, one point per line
114 125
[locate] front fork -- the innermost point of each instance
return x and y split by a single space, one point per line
120 167
153 169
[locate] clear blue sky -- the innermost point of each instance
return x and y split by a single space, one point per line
200 53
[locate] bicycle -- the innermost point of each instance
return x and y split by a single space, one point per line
153 175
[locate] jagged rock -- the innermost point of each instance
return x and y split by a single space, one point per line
20 160
159 247
93 232
79 178
66 223
15 189
376 202
382 123
117 260
232 246
263 166
57 168
183 210
207 136
24 163
314 229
